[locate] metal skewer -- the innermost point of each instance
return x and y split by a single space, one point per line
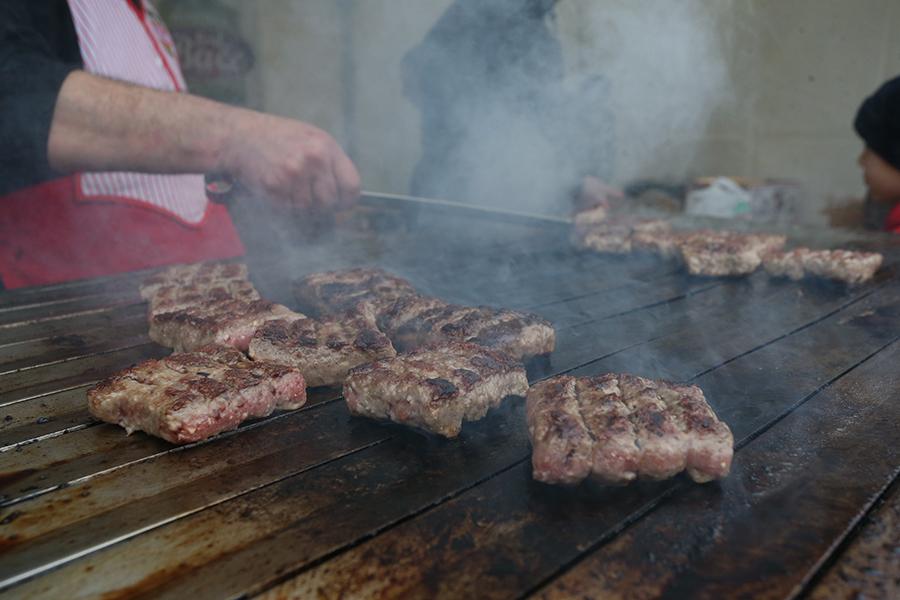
394 201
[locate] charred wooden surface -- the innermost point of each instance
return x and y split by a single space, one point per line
315 502
870 565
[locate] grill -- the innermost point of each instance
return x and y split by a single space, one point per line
316 502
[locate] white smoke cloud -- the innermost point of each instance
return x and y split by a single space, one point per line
667 64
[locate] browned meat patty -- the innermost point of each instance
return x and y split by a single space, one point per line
725 253
201 275
403 316
616 428
324 351
563 448
604 237
177 297
412 320
619 235
790 264
416 321
841 265
435 389
183 286
192 396
334 292
229 322
662 242
587 218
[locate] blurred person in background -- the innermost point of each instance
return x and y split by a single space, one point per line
498 125
104 150
878 124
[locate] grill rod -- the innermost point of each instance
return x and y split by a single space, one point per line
401 201
223 189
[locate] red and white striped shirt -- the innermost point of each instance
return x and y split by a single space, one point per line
123 41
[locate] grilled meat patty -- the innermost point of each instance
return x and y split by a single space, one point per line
413 320
334 292
416 321
435 389
176 297
790 264
199 275
724 253
185 286
191 396
619 235
617 428
662 242
324 351
228 322
841 265
586 218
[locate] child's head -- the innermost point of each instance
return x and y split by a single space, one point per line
882 178
878 124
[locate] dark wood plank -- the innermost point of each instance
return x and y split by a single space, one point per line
31 315
794 492
869 567
73 325
385 480
65 418
308 514
64 292
61 460
51 415
174 485
233 485
509 534
32 470
76 347
691 335
33 383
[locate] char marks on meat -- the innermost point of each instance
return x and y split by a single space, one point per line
334 292
435 389
193 305
228 322
189 397
420 321
621 234
616 428
324 351
726 253
176 297
413 320
563 447
193 278
848 266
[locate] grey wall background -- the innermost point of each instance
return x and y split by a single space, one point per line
759 88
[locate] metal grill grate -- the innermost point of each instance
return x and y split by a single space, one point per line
316 501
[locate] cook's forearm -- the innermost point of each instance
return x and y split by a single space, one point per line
102 125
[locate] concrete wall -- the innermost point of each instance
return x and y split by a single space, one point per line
763 88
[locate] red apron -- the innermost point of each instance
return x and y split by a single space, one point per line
893 220
48 236
95 224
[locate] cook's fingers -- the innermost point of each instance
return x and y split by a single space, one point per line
347 178
301 194
325 190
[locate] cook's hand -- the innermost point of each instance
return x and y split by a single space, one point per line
595 192
290 163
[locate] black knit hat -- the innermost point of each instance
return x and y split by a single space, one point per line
878 122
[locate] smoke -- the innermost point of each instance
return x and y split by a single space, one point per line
515 109
667 62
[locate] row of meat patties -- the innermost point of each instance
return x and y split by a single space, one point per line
367 324
400 356
719 253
